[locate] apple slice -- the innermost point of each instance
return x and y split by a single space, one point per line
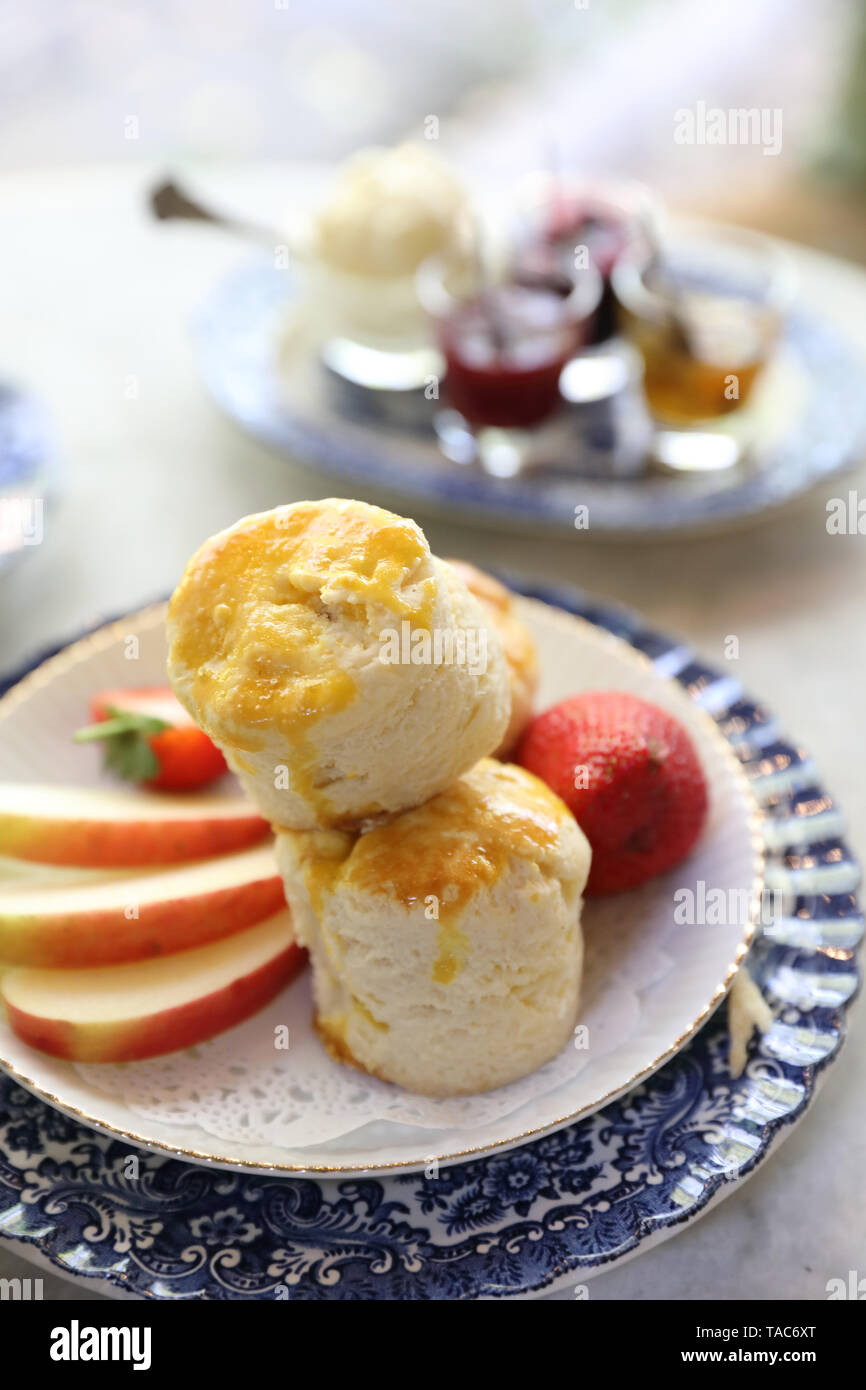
120 1013
88 828
136 916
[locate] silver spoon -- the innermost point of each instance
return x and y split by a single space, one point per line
168 203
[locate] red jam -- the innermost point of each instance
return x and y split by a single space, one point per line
505 350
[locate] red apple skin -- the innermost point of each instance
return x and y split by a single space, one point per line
161 929
168 1031
125 844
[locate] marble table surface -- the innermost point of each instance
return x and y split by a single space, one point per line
95 320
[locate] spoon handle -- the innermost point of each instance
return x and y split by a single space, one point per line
168 202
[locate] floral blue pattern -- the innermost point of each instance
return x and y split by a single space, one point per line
551 1211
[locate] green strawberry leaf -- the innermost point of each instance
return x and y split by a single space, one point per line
130 756
126 736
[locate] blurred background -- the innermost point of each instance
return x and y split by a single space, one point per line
597 80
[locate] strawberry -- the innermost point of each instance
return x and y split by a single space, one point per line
630 775
149 738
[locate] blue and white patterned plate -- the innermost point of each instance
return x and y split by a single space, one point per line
544 1215
26 452
812 426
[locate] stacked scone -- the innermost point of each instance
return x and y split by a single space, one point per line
357 687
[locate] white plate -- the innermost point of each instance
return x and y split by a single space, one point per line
662 979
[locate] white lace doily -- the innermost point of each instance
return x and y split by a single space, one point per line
241 1088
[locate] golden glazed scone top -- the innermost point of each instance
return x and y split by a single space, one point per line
443 852
252 615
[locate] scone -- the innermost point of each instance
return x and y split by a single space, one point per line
446 944
345 671
520 653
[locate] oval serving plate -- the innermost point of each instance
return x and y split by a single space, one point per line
543 1216
655 980
812 426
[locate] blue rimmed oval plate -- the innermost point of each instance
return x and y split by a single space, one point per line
810 425
548 1213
